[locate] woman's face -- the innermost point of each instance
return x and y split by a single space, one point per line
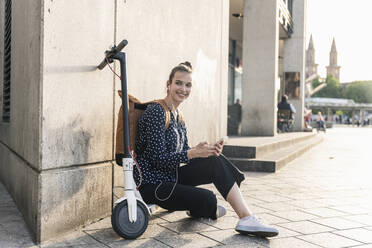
180 87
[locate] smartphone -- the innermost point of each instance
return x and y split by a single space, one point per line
222 140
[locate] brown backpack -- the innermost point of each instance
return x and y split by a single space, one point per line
136 108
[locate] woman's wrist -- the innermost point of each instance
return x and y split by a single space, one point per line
191 153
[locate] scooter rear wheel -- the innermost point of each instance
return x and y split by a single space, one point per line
121 224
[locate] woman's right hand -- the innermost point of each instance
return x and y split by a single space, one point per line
202 150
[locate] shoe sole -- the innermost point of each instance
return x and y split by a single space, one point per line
219 214
258 233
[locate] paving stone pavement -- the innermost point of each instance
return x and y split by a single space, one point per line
321 199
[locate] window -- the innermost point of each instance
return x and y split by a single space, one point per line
290 6
7 59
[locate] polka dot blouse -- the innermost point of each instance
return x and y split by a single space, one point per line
160 151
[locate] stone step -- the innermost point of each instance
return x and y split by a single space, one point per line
252 147
239 151
273 161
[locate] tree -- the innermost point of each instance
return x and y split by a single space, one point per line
332 89
339 112
359 91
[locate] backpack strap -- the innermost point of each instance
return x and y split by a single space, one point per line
166 110
139 105
167 113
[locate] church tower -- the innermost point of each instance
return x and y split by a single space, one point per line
333 69
311 67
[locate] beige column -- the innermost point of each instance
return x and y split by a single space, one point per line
294 58
329 116
260 66
360 116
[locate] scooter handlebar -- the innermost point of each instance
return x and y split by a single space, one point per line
121 45
111 52
102 65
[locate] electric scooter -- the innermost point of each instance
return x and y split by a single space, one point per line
130 215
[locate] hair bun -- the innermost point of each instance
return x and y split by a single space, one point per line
187 63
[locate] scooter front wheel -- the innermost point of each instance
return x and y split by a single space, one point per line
121 224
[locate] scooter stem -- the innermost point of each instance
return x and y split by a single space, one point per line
124 98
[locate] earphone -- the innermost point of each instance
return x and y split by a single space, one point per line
182 141
174 186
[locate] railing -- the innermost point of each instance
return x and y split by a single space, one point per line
285 18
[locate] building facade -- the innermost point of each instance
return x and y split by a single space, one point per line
266 61
311 66
59 112
333 69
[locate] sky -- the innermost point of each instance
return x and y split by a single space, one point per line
350 23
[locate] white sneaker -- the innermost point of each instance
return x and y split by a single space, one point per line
251 225
220 211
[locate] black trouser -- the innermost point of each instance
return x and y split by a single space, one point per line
201 202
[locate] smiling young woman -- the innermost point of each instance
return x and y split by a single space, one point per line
161 151
179 85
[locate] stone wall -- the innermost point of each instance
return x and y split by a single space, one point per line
20 138
57 151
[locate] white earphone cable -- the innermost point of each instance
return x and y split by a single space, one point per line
170 194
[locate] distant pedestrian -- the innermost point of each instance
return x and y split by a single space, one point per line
321 122
307 117
285 122
234 118
284 104
238 108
